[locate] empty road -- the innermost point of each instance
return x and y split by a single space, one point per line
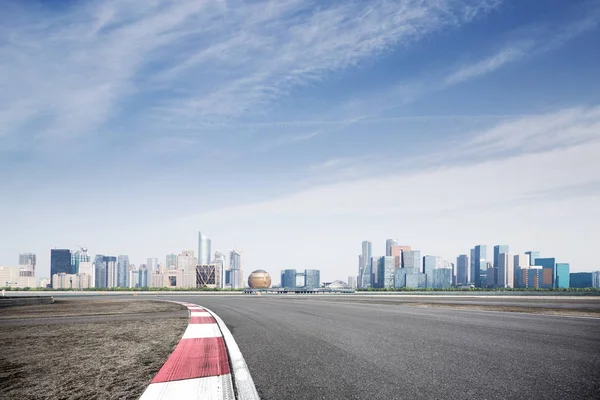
344 348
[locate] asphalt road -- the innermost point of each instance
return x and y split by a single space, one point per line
339 348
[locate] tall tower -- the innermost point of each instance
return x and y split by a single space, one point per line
203 249
60 261
235 267
462 269
388 246
499 249
364 279
480 263
123 271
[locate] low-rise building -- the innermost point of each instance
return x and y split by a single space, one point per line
14 278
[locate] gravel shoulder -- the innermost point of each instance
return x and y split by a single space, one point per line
86 349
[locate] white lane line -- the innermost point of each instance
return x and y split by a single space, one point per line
244 385
210 388
200 314
199 331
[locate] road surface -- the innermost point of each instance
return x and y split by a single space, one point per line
344 348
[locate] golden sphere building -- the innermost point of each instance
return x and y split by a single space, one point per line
259 279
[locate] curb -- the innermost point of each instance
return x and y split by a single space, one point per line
200 367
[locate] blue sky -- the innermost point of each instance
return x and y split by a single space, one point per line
294 130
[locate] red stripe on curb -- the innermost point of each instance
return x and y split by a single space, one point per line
195 358
202 320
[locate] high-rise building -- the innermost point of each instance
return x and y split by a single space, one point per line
385 272
60 261
110 263
134 278
563 280
533 255
204 251
152 264
312 278
472 266
581 280
365 272
596 279
27 264
99 271
171 261
143 276
123 271
219 260
442 278
397 254
480 264
412 261
499 248
430 263
288 278
388 246
235 266
187 261
462 270
521 260
505 270
548 271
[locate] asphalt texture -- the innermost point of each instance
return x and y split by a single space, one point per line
347 348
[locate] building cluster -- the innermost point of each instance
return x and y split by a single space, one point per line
404 267
76 269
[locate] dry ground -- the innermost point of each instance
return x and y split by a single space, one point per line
86 349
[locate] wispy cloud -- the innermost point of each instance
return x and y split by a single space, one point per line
194 60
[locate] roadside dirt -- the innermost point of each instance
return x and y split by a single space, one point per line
109 358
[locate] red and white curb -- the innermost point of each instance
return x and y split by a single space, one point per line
200 367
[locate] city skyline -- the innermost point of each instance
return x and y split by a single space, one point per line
442 124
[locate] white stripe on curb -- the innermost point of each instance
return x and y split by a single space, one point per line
199 331
199 314
211 388
244 385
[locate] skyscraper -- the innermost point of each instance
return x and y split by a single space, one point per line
187 261
480 262
27 264
563 279
60 261
77 257
123 271
397 254
288 278
100 271
388 246
235 266
500 248
412 261
505 270
462 269
110 264
548 271
365 270
312 278
429 265
472 266
385 272
204 251
219 260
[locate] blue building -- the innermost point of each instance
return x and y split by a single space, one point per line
462 269
385 272
60 262
312 278
562 280
499 249
143 277
480 264
549 271
442 278
288 278
429 264
582 279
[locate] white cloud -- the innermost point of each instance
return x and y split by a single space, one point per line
72 72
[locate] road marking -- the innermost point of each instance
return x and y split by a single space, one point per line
208 388
244 385
200 314
198 331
